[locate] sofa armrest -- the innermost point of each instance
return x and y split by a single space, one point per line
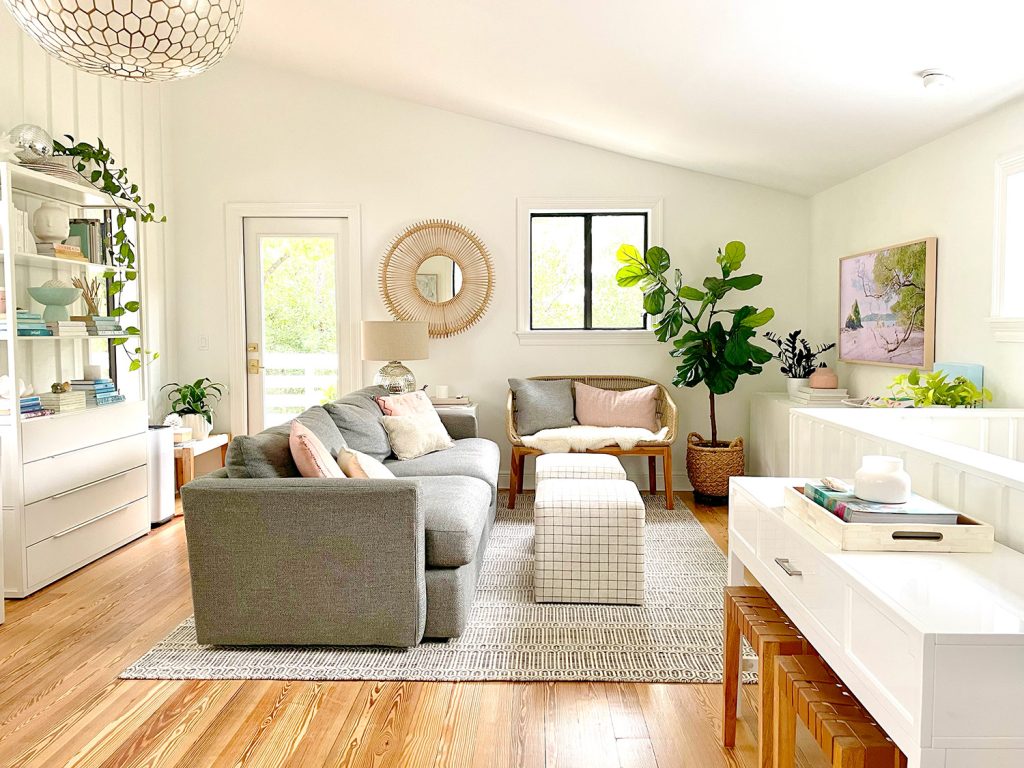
301 561
460 424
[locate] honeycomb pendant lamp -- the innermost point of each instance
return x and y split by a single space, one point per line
140 40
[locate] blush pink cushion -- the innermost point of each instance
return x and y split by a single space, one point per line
310 455
406 404
605 408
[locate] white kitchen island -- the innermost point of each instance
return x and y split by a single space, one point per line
932 644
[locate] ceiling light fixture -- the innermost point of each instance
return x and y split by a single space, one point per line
936 79
140 40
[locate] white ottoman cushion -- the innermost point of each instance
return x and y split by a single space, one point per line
588 542
579 466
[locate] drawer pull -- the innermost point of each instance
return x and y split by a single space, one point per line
783 563
90 521
62 494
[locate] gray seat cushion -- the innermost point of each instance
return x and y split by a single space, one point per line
455 513
268 454
471 457
358 417
542 404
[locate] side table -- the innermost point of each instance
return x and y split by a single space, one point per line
185 455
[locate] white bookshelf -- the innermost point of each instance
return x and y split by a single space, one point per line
74 483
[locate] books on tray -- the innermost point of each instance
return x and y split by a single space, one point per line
850 509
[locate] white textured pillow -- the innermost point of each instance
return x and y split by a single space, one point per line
417 434
356 464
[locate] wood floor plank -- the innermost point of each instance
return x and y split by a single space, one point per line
578 727
510 726
636 753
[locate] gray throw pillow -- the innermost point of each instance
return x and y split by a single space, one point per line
542 404
268 454
361 428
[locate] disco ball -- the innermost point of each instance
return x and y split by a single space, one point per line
141 40
31 143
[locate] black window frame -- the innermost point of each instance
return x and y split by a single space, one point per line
588 263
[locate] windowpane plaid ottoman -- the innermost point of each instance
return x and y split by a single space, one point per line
588 542
579 466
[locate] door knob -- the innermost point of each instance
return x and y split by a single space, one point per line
254 365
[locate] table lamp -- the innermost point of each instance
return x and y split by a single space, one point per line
395 340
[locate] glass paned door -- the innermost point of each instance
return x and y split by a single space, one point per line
292 315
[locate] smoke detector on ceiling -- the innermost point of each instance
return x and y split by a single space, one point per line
935 79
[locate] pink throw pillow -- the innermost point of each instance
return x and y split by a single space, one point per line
605 408
406 404
310 455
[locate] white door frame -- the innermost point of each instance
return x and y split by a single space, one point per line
234 213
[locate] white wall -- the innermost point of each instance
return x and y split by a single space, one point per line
945 189
35 88
248 133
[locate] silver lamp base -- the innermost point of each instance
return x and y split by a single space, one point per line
396 378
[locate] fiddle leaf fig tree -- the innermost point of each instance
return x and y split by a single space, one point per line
714 346
95 164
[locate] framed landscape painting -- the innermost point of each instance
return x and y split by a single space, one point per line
887 305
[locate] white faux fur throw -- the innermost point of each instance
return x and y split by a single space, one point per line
581 438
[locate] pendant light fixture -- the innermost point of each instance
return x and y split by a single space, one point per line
140 40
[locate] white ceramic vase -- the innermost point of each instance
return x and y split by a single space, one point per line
792 385
882 479
200 427
51 223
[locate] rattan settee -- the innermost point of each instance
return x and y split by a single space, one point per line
667 417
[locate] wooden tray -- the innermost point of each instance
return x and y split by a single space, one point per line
969 535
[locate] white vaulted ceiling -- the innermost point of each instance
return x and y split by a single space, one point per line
792 94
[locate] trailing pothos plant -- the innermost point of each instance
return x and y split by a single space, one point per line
97 166
711 352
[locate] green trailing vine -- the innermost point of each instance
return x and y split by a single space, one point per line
97 166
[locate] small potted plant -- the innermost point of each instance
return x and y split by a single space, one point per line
711 352
797 357
937 389
194 404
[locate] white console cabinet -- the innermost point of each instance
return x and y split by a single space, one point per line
932 644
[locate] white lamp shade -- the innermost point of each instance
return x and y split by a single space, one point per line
394 340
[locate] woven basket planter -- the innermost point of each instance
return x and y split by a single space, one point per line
709 467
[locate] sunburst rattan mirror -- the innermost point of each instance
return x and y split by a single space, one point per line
440 272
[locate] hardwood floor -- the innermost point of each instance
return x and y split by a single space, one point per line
61 703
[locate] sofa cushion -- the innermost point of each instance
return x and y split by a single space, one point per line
268 454
542 404
455 513
358 417
470 457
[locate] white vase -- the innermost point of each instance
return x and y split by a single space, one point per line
51 223
200 427
792 385
882 479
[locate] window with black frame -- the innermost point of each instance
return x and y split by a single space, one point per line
573 266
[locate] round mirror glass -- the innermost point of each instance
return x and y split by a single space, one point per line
439 279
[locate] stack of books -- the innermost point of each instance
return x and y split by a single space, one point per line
850 509
61 251
819 397
63 402
67 328
29 407
100 325
97 392
29 324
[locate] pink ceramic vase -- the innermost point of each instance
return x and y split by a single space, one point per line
824 378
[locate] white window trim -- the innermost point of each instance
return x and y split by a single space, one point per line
1004 327
527 205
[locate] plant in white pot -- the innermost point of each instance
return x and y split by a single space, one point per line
797 357
194 404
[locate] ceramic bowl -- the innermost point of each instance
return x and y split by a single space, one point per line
55 300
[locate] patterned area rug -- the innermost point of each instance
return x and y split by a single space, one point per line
675 637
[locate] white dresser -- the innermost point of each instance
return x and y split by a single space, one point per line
932 644
768 451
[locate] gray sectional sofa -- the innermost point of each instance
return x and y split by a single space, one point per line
277 559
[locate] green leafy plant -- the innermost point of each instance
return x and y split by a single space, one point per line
97 166
711 352
798 357
195 398
936 388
